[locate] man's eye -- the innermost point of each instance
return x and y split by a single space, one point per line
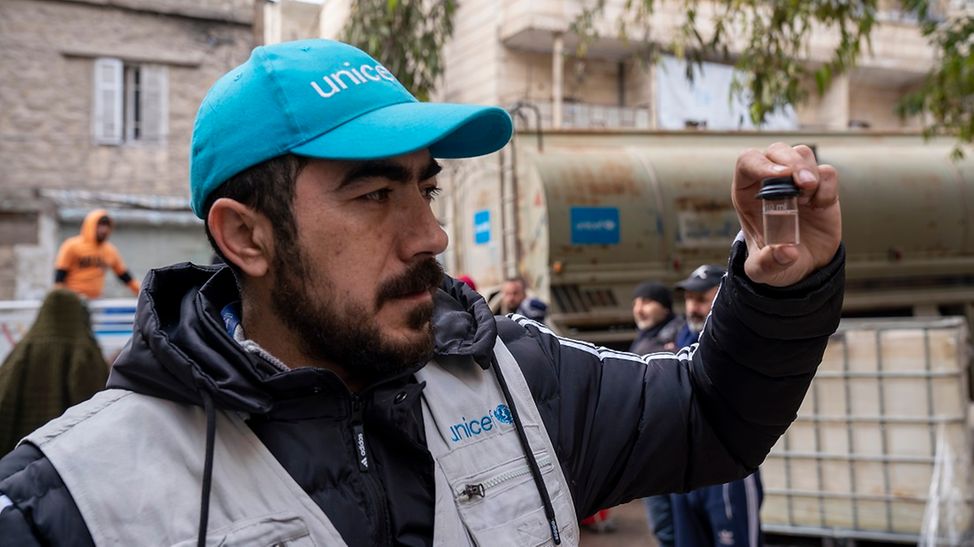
378 195
432 192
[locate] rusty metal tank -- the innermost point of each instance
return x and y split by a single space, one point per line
599 212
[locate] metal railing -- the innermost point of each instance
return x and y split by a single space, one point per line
595 116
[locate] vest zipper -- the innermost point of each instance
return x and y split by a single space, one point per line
480 489
373 485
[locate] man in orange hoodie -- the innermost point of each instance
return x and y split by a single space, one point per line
82 259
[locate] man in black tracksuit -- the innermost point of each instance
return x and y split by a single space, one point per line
621 426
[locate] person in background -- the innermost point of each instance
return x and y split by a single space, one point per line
652 310
699 291
82 259
514 299
56 365
725 514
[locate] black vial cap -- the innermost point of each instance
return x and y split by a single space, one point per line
778 188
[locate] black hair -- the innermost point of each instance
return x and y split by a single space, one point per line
267 188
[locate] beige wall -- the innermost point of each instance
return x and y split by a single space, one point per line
875 104
472 59
47 51
333 15
288 20
521 65
856 99
528 76
240 11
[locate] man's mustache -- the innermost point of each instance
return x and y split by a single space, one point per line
421 276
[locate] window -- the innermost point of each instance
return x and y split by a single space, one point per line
131 102
706 102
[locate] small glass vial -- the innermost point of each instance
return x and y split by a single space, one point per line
780 196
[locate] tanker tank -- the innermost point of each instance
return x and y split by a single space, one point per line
598 212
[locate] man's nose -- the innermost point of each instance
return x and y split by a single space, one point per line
423 234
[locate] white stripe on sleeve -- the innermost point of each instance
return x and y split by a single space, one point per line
601 352
5 502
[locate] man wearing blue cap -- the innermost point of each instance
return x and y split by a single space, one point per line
699 291
331 386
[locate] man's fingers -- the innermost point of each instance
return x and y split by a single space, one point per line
806 153
752 166
777 160
764 265
828 187
800 161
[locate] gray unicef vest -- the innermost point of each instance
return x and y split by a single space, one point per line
143 487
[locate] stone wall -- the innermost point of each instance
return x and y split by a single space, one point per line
47 52
47 55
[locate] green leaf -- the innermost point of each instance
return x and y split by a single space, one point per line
407 37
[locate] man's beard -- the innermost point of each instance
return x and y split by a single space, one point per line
696 323
643 324
344 333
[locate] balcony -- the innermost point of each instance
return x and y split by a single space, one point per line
531 25
596 116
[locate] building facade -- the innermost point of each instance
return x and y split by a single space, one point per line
99 97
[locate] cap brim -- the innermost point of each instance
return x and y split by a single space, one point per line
447 130
696 285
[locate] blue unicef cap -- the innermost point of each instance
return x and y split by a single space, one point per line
329 100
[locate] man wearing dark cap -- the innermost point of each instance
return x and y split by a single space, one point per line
652 310
699 291
330 386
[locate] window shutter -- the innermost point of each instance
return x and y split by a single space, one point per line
129 73
155 103
107 115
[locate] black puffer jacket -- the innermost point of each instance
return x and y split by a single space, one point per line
622 428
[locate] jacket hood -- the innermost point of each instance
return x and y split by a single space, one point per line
463 324
89 226
62 317
180 346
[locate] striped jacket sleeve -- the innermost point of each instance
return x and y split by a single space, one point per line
626 426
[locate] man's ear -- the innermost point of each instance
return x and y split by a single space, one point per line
243 235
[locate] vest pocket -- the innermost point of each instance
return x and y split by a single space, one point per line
269 531
498 501
498 480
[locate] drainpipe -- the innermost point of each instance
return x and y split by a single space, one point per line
557 78
512 253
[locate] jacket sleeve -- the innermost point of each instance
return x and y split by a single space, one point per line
115 259
65 256
626 426
35 506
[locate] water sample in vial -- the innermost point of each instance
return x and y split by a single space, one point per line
780 196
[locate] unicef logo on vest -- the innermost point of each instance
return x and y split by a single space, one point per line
503 414
466 429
